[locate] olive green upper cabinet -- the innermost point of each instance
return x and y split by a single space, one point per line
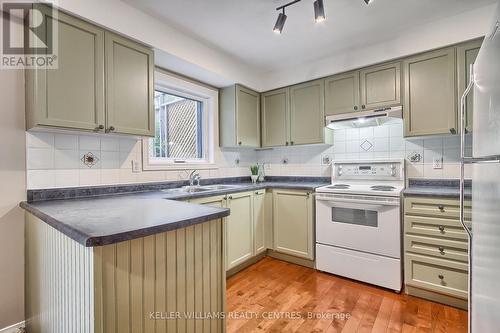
293 215
342 94
130 87
430 93
307 113
380 86
275 112
466 56
71 96
239 117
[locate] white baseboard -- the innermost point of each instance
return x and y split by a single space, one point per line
13 329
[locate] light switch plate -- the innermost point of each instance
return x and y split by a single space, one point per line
437 162
136 166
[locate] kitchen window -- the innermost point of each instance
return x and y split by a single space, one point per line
185 121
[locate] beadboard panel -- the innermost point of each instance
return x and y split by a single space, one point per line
177 271
59 281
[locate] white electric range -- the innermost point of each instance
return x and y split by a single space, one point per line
358 222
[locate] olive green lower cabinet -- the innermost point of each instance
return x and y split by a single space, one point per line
278 223
131 286
436 250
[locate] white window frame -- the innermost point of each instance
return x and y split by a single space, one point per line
177 86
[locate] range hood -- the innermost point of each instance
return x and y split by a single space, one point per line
365 118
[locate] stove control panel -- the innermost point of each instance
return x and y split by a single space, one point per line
371 170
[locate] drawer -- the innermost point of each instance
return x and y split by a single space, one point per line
436 227
436 207
438 275
436 247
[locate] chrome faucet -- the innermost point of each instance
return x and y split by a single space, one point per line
194 176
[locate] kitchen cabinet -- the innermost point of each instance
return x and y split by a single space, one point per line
380 86
275 108
239 226
293 215
466 56
259 225
307 115
430 104
436 250
73 95
129 87
239 117
342 94
103 83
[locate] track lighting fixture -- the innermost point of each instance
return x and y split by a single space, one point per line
280 22
368 1
319 11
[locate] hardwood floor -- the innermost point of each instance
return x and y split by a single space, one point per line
291 293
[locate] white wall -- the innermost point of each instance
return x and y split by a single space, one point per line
12 191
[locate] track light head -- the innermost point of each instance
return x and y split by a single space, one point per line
319 11
368 1
280 22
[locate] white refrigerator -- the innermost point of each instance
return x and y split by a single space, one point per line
484 263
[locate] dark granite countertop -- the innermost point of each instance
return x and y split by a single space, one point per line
449 189
95 216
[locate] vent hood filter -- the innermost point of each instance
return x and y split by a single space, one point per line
365 119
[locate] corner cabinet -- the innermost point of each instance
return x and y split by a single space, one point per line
239 117
430 104
71 96
275 108
75 96
307 113
466 56
293 215
129 87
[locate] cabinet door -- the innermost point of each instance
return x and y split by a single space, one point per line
307 113
381 86
275 124
247 117
466 56
239 227
430 95
342 94
130 87
259 221
71 96
293 223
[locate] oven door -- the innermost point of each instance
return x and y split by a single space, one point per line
369 224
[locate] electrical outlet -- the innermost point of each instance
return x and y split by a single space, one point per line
326 160
136 166
437 162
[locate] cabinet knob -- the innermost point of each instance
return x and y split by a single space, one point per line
286 143
453 131
111 128
363 106
99 128
441 228
291 142
466 131
230 197
239 143
441 277
441 249
355 108
441 208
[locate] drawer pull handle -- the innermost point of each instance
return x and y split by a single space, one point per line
441 208
441 277
441 228
441 249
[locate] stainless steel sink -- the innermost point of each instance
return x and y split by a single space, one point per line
204 188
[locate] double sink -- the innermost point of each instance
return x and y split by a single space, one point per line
201 188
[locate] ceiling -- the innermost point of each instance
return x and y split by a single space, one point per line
243 28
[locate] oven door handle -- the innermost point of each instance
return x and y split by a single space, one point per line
351 202
355 205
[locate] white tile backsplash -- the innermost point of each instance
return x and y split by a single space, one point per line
54 160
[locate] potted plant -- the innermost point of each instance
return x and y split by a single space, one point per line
254 169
